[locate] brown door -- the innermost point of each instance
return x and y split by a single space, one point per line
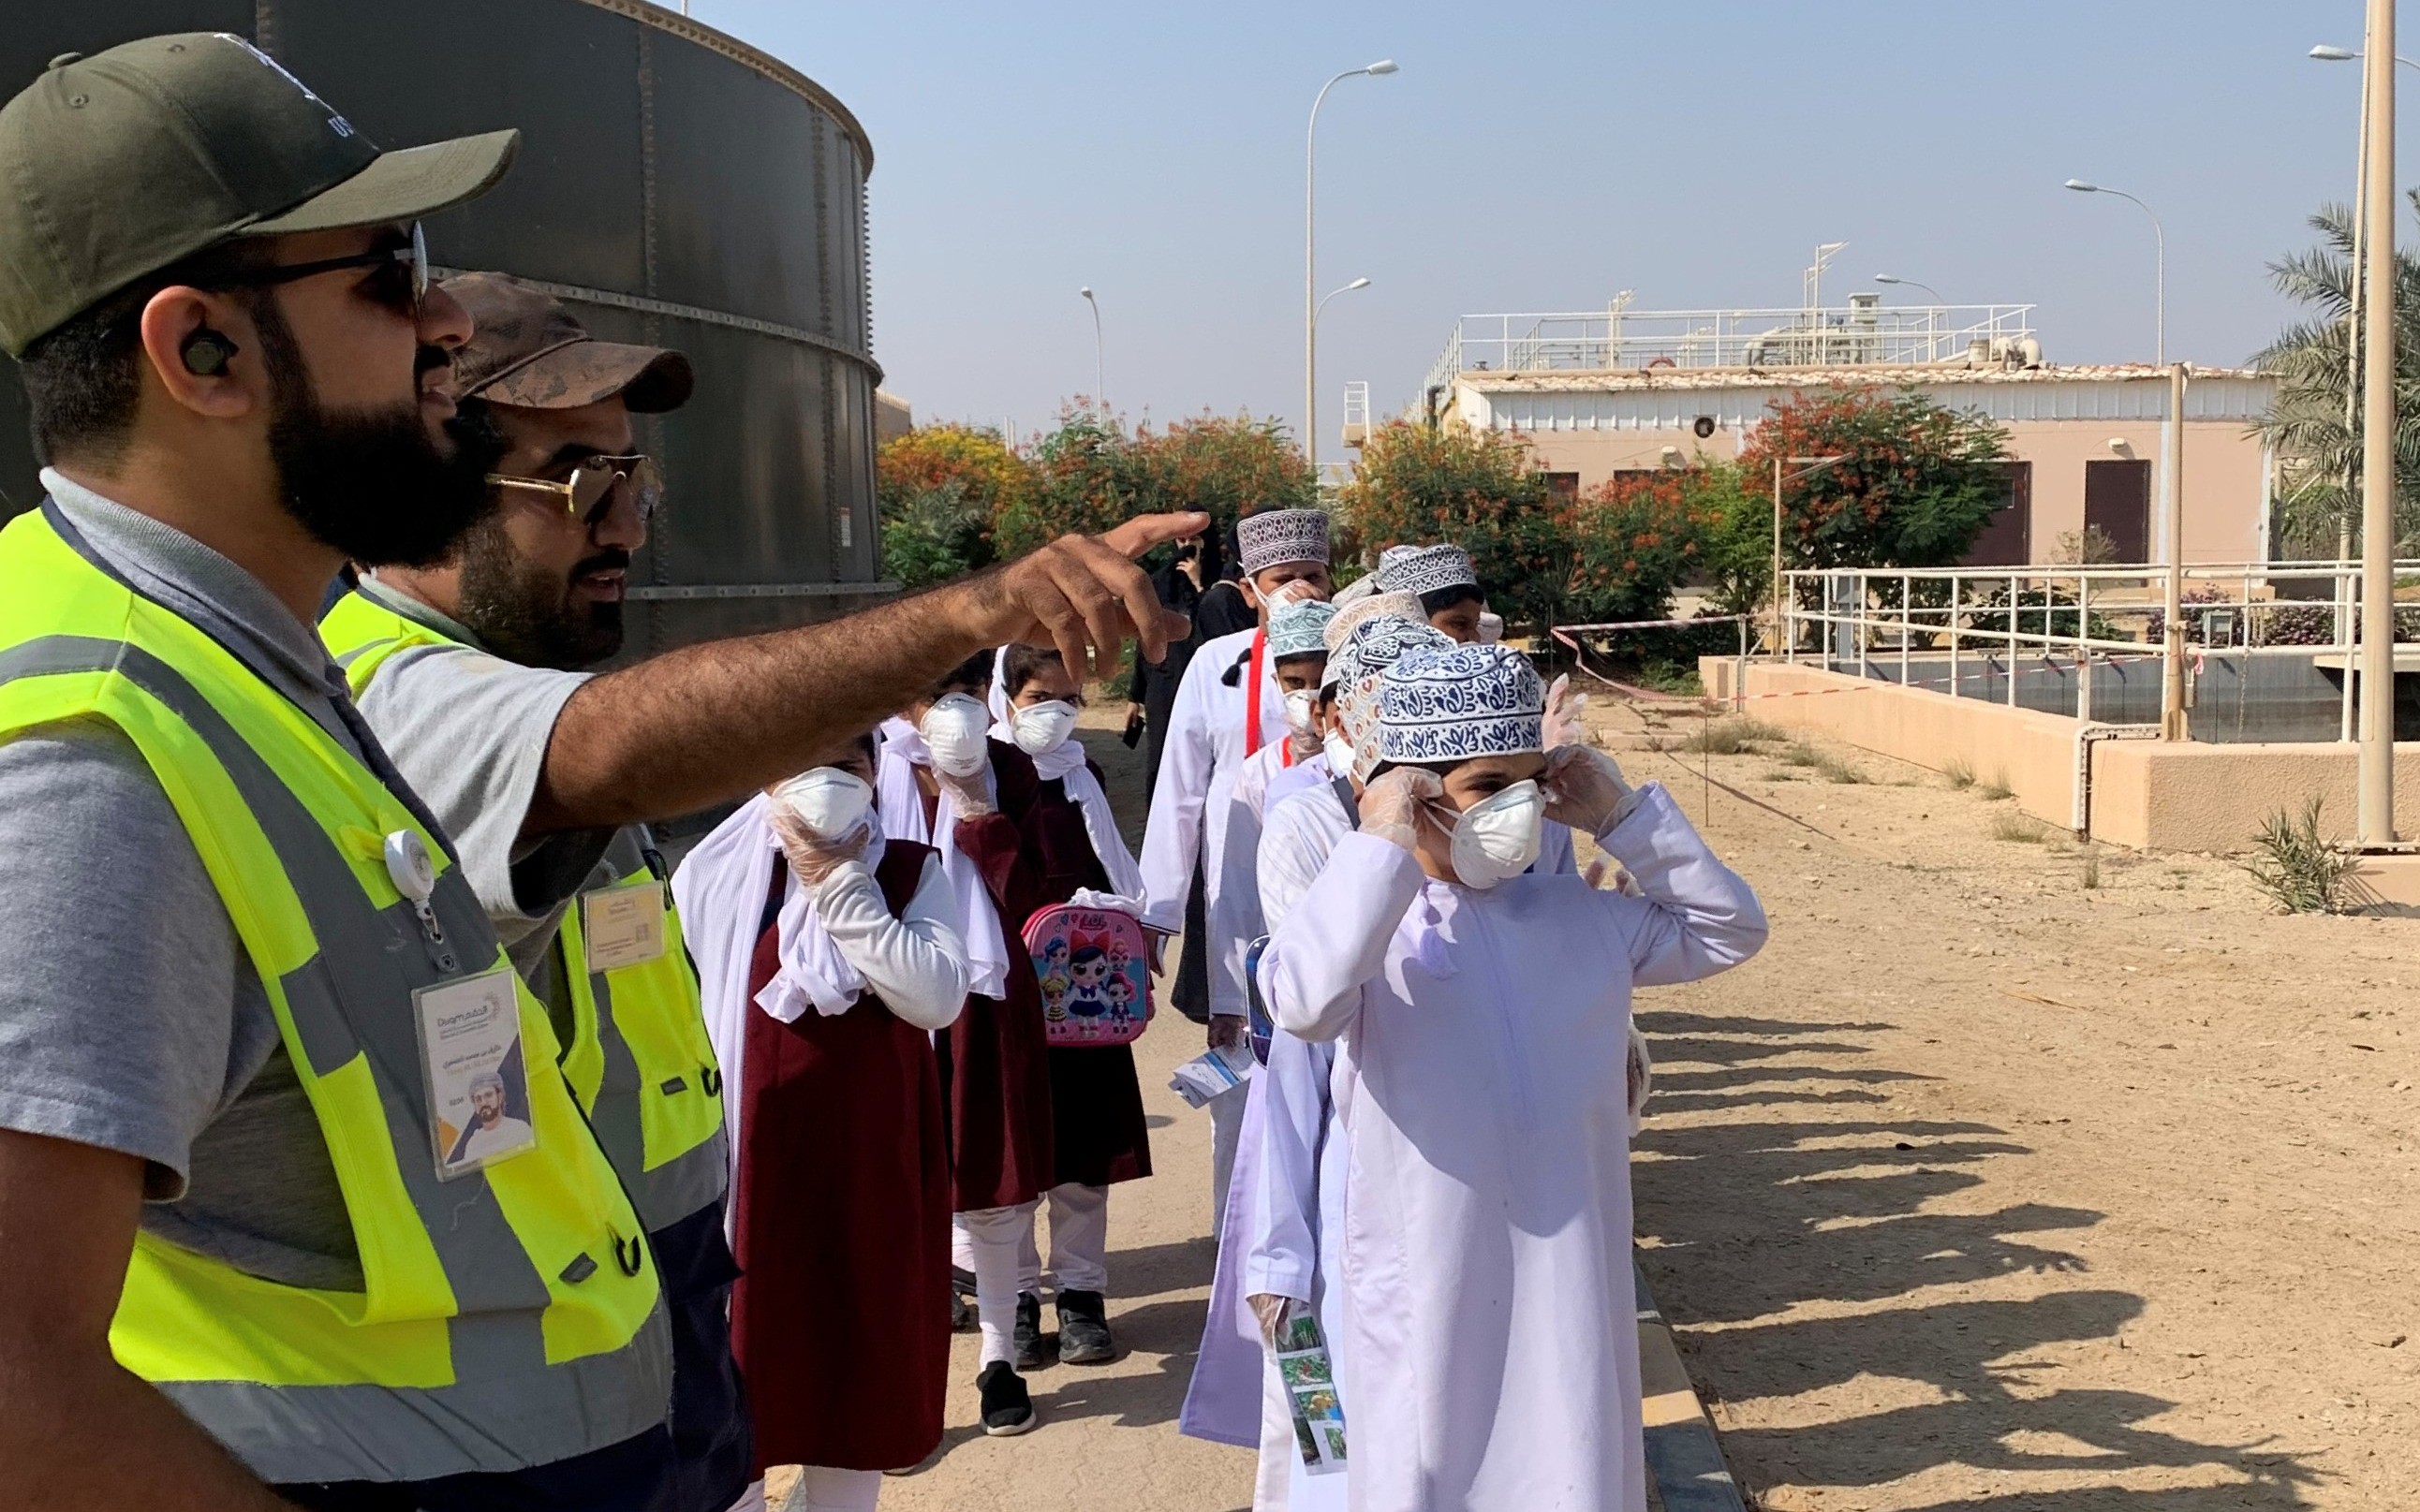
2117 504
2007 536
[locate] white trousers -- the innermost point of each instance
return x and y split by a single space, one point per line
1226 1131
995 1240
1079 1242
820 1489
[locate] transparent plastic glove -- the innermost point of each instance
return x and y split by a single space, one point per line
1641 1079
1270 1309
1290 592
1392 805
1229 1031
1584 788
810 855
1566 715
1306 743
970 796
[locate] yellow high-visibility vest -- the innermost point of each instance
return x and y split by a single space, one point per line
639 1059
507 1317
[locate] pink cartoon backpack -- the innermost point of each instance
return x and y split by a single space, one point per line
1095 974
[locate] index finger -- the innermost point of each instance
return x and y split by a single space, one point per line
1135 594
1132 538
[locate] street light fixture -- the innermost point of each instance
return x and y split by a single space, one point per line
1910 282
2325 54
1100 361
2160 275
1310 276
1801 468
1358 283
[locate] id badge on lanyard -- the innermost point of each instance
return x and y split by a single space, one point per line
472 1068
622 926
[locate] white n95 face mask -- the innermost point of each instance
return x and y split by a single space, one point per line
827 800
954 730
1043 726
1299 707
1340 753
1499 836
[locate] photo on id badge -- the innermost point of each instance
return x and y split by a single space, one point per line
478 1086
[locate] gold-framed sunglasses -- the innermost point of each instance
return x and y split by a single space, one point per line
589 494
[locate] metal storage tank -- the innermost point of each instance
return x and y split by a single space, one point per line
683 188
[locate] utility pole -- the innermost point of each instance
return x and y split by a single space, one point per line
2377 761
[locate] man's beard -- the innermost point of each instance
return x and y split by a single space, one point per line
527 614
370 482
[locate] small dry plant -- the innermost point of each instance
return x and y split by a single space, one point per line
2302 872
2091 869
1960 776
1995 789
2011 823
1731 737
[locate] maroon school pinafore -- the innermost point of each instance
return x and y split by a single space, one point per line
840 1320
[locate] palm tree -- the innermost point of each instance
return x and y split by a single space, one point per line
2313 426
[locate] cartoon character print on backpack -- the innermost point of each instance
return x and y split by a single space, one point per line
1092 967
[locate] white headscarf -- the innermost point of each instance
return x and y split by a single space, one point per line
721 888
901 804
1069 763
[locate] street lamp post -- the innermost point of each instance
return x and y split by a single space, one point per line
1910 282
2375 765
1803 467
1310 276
1100 359
2160 275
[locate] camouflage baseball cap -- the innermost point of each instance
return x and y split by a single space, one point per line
527 351
115 166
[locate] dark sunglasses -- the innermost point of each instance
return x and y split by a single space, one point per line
589 494
402 284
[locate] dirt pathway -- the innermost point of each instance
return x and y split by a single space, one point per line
1985 1188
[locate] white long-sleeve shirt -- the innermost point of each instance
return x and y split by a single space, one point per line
1483 1035
916 963
1200 759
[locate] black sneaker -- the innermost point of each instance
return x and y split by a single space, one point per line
1084 1329
1007 1406
962 1314
1031 1355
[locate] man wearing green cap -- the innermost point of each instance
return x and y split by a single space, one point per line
249 1007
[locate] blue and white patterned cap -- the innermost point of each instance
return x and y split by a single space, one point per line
1359 666
1279 536
1457 702
1426 569
1299 628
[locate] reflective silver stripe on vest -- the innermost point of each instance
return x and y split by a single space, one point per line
690 1180
509 1408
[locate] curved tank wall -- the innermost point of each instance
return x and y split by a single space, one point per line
684 188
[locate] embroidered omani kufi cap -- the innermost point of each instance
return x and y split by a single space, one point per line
1426 569
1457 702
1301 628
1351 617
1279 536
1374 646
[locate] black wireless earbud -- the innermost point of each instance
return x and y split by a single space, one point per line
207 353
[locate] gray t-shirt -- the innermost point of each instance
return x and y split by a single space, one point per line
469 730
130 1017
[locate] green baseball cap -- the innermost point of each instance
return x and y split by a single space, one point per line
117 166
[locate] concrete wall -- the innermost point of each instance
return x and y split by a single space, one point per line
2146 793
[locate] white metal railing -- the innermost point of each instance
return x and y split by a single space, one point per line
2085 616
1356 405
1861 333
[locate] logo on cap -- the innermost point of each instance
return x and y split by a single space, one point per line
335 123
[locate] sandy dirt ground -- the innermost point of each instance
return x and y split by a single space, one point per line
1980 1188
1985 1188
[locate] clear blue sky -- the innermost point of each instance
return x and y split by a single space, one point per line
1543 156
